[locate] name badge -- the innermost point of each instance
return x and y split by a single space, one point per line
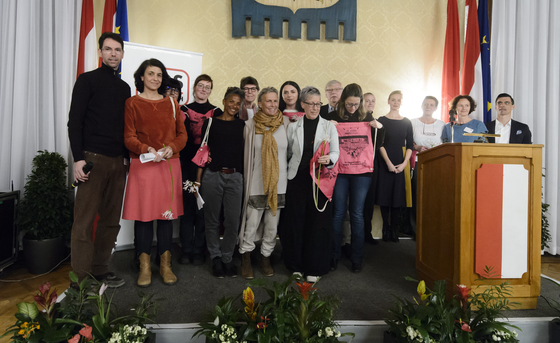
468 130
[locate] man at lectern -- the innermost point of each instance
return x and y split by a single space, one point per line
511 131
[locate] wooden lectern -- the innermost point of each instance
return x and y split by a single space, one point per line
449 214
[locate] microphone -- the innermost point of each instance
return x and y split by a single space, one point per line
452 114
87 168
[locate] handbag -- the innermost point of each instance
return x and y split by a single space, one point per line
201 157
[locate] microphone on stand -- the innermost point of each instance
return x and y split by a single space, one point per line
87 168
452 114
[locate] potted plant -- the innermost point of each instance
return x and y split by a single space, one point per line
84 316
45 213
294 312
467 317
554 327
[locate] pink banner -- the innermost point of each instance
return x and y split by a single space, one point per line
356 148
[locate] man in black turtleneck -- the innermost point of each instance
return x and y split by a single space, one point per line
96 133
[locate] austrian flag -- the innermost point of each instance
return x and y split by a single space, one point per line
502 218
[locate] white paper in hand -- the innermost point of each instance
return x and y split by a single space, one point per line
149 157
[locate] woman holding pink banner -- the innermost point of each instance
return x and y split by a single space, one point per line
306 231
356 135
393 183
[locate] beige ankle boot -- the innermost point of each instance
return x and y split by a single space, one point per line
145 274
266 268
165 269
246 270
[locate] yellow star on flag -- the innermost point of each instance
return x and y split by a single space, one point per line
489 105
118 29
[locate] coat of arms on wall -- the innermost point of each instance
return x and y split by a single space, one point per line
313 12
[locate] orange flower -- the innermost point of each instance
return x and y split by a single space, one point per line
86 332
75 339
304 289
249 300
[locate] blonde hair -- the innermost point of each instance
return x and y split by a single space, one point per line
393 93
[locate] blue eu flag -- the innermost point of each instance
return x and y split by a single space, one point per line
484 32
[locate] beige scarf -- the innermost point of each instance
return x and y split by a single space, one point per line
267 125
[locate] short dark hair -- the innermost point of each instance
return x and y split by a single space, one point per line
174 83
505 95
282 103
111 35
431 97
455 101
152 62
249 80
351 90
203 77
234 91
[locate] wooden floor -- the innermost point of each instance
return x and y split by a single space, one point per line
12 293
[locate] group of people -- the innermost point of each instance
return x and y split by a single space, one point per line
280 164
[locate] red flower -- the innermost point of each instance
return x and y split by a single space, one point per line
86 332
44 289
464 292
464 326
75 339
52 298
261 325
304 289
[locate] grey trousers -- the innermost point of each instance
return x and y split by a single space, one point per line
219 189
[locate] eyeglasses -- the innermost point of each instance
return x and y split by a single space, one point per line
203 87
110 50
172 90
330 90
250 89
313 104
427 133
352 105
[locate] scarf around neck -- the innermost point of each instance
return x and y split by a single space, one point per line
267 126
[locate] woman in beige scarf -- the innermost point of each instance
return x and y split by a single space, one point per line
265 165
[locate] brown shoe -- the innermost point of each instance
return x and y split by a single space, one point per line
246 270
266 268
165 269
145 274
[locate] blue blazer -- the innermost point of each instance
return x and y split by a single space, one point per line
520 133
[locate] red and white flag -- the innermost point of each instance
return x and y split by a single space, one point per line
471 79
87 51
109 17
451 60
502 220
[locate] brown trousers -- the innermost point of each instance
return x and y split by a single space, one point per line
102 194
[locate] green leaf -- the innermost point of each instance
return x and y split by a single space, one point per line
29 309
73 277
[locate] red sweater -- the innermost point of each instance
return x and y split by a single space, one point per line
150 123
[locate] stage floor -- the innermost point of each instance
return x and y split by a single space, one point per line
363 296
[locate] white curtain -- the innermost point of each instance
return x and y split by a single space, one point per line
525 60
38 41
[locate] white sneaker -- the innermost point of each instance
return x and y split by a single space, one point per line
312 279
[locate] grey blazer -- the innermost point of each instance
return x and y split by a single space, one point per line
295 143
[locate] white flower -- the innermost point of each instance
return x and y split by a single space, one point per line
411 332
167 215
328 331
338 334
102 289
217 321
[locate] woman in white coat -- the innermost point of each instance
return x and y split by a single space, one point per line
307 232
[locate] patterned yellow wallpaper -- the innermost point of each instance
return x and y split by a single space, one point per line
399 46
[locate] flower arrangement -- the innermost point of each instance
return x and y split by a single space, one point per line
84 316
469 317
294 312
